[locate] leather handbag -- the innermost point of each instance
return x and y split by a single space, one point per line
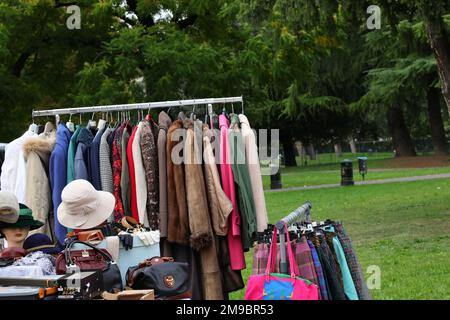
162 274
90 260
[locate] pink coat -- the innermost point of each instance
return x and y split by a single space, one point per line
237 259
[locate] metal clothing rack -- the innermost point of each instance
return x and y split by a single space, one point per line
289 220
137 106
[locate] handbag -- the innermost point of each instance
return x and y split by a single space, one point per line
90 260
275 286
162 274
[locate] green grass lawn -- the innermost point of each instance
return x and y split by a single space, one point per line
329 172
401 227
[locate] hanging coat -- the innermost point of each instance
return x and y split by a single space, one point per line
199 220
94 160
82 165
13 177
243 185
117 172
150 157
164 124
58 176
105 163
38 198
200 229
71 155
177 213
237 259
254 170
140 177
133 198
125 185
219 205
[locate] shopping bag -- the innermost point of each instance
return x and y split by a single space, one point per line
275 286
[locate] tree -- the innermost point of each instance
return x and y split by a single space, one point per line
39 55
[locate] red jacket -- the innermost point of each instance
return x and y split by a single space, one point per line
134 207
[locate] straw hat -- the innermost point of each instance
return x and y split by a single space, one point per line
83 207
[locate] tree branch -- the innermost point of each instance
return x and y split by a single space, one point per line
20 63
189 21
60 5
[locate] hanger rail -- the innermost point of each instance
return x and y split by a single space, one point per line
289 220
135 106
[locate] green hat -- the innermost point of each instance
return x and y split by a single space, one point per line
25 220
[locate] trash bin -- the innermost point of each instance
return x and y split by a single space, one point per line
275 178
347 173
362 163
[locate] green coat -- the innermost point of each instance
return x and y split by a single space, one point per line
71 155
243 186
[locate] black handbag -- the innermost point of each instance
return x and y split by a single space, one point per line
112 279
166 277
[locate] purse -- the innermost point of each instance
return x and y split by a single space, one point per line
162 274
90 260
275 286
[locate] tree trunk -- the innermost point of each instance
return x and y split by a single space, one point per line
311 152
288 149
438 137
400 134
351 141
441 49
338 149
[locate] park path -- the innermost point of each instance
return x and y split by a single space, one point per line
358 183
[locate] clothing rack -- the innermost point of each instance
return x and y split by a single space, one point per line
289 220
137 106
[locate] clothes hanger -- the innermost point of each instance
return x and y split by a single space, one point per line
193 116
181 115
101 122
33 126
149 117
225 113
49 127
69 124
207 114
91 123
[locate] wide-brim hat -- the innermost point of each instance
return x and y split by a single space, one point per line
25 220
9 207
83 207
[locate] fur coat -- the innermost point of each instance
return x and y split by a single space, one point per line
177 212
37 151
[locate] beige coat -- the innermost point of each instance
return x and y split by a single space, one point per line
202 238
219 205
254 170
141 182
37 151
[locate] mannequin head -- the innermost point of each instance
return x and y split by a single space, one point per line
15 235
